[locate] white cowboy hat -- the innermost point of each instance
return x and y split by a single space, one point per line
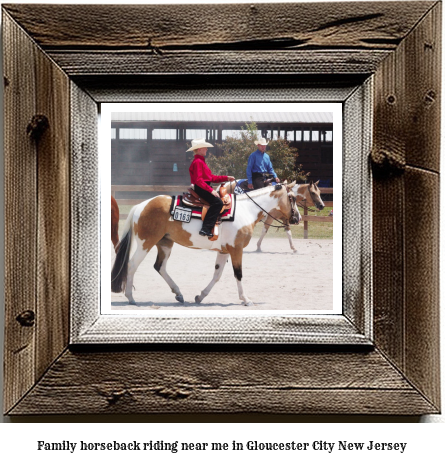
261 141
198 143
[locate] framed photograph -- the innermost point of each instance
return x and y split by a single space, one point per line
150 148
348 324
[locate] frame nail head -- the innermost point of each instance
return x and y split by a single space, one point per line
37 126
26 318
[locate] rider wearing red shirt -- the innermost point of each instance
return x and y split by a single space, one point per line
201 177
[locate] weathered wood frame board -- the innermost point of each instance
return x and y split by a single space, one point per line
77 56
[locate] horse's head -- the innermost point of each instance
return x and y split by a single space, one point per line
312 195
288 203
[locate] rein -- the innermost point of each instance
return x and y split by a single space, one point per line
261 208
308 208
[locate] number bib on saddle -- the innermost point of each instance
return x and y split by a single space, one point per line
182 214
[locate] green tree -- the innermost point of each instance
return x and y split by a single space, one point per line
236 152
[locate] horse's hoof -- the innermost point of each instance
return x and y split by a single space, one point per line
132 302
179 298
258 250
198 299
249 303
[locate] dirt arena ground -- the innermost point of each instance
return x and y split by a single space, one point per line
275 279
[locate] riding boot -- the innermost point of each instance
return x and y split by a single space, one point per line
205 232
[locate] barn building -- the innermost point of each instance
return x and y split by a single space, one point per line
150 148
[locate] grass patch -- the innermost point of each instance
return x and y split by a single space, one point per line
316 230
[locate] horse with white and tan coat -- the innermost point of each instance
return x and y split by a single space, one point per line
310 193
150 224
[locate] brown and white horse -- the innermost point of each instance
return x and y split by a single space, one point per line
306 192
114 223
150 224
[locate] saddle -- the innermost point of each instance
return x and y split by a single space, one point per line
192 199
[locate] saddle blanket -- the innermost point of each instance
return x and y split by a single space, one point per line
227 215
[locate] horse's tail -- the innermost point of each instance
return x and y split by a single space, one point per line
120 267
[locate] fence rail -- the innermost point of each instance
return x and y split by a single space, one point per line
176 190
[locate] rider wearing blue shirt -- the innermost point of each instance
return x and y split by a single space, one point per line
259 164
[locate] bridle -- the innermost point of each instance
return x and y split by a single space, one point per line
289 194
303 205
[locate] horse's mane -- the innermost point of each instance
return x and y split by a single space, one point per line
255 193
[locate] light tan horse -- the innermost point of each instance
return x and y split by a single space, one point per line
150 224
305 192
114 222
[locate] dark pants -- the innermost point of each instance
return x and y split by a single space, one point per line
258 180
216 205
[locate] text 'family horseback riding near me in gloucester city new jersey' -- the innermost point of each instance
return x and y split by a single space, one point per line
178 446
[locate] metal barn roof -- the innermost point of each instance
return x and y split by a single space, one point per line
245 117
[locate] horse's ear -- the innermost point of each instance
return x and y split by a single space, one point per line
292 184
311 182
317 183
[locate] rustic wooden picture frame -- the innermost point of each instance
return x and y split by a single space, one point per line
59 68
